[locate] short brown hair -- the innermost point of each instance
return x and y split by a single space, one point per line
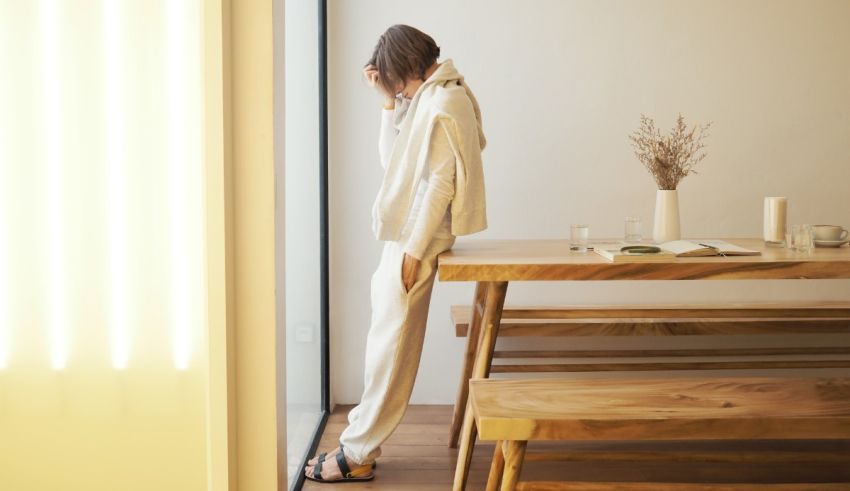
403 53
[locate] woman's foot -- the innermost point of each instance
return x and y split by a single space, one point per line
329 455
329 469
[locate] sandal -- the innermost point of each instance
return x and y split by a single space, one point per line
358 474
342 449
323 456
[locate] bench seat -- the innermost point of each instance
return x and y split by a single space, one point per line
671 320
654 320
513 412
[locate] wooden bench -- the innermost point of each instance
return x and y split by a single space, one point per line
764 408
670 320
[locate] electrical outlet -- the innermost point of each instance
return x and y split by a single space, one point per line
304 333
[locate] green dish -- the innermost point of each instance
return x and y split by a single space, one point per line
640 249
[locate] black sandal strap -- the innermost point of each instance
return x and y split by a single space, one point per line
343 465
317 470
322 456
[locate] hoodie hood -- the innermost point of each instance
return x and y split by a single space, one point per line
445 75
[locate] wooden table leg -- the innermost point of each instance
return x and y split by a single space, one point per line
464 454
472 336
497 467
491 318
514 455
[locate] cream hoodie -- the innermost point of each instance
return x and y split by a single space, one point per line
444 98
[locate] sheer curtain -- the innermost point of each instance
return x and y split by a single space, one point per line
102 289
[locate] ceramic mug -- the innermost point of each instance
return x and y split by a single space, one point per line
829 232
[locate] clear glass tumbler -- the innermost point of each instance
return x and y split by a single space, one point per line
633 231
801 239
579 237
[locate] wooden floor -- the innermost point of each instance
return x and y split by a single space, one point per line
416 457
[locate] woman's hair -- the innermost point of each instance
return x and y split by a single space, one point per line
403 53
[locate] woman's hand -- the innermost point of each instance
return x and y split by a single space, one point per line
409 271
371 75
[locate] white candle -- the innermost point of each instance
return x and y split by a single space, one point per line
775 213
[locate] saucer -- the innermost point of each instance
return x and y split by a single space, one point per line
830 243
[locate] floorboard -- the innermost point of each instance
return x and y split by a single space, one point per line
416 458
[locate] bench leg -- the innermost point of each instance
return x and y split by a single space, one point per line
496 468
495 301
472 336
514 455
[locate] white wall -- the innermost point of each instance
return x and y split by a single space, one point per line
561 85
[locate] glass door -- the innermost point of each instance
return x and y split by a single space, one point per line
304 254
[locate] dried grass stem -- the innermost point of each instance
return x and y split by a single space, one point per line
669 158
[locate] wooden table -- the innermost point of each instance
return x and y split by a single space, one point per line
494 263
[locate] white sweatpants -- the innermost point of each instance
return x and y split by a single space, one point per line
393 348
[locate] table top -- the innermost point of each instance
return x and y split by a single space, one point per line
551 260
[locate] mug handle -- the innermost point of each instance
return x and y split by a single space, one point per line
844 234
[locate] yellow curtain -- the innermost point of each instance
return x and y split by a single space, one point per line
103 368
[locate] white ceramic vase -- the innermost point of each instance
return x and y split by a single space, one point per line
666 225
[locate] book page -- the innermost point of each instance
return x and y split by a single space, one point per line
682 247
731 249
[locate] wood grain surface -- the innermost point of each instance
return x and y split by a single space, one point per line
667 365
653 353
677 320
662 409
551 260
667 486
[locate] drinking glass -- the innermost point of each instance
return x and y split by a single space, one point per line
633 232
579 236
801 239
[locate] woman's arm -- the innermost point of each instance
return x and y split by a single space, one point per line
386 137
441 188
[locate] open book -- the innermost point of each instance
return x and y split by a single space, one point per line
670 250
698 248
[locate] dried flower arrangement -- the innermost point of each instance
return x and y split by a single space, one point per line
669 158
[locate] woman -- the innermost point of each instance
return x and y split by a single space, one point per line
433 190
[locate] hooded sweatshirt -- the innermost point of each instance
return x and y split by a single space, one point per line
443 98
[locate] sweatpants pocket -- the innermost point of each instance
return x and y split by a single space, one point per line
400 275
